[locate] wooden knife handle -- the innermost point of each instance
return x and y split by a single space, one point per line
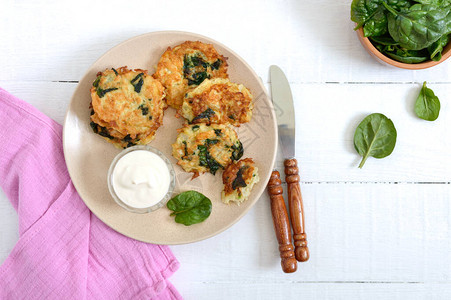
281 223
296 209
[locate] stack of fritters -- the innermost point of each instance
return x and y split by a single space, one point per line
127 106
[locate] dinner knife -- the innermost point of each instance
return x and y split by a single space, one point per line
283 99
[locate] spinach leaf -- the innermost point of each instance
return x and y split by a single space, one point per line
205 158
375 136
398 4
138 82
195 69
406 56
104 132
384 40
129 144
198 78
436 2
209 142
238 151
239 180
436 48
190 208
198 61
216 64
94 127
371 15
102 92
186 148
206 114
144 109
218 132
389 47
419 26
427 106
363 10
96 82
361 13
100 130
377 24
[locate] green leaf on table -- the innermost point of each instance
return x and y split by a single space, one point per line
375 136
190 208
427 106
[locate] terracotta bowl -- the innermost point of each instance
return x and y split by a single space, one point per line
446 53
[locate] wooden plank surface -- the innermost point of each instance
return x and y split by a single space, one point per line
382 232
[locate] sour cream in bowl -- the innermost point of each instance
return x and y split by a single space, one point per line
141 179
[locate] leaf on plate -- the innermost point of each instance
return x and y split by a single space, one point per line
190 208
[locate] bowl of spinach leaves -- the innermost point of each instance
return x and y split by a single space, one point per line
409 34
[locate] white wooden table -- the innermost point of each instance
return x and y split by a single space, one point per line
382 232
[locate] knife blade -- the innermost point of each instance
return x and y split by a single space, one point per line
283 99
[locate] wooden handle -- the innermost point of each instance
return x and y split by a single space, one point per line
281 223
296 209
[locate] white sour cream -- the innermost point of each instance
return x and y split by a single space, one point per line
141 178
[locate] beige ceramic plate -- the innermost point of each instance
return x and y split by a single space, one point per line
88 156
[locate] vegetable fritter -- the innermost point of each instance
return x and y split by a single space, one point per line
200 148
218 101
239 179
127 106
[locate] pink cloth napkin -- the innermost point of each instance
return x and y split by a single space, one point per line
64 251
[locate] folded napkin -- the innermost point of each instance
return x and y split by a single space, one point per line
64 251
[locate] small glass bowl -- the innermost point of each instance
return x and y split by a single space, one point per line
154 207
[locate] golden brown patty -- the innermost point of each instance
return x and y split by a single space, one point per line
186 66
218 101
127 106
200 148
239 179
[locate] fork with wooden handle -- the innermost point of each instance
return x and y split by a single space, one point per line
296 209
281 223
